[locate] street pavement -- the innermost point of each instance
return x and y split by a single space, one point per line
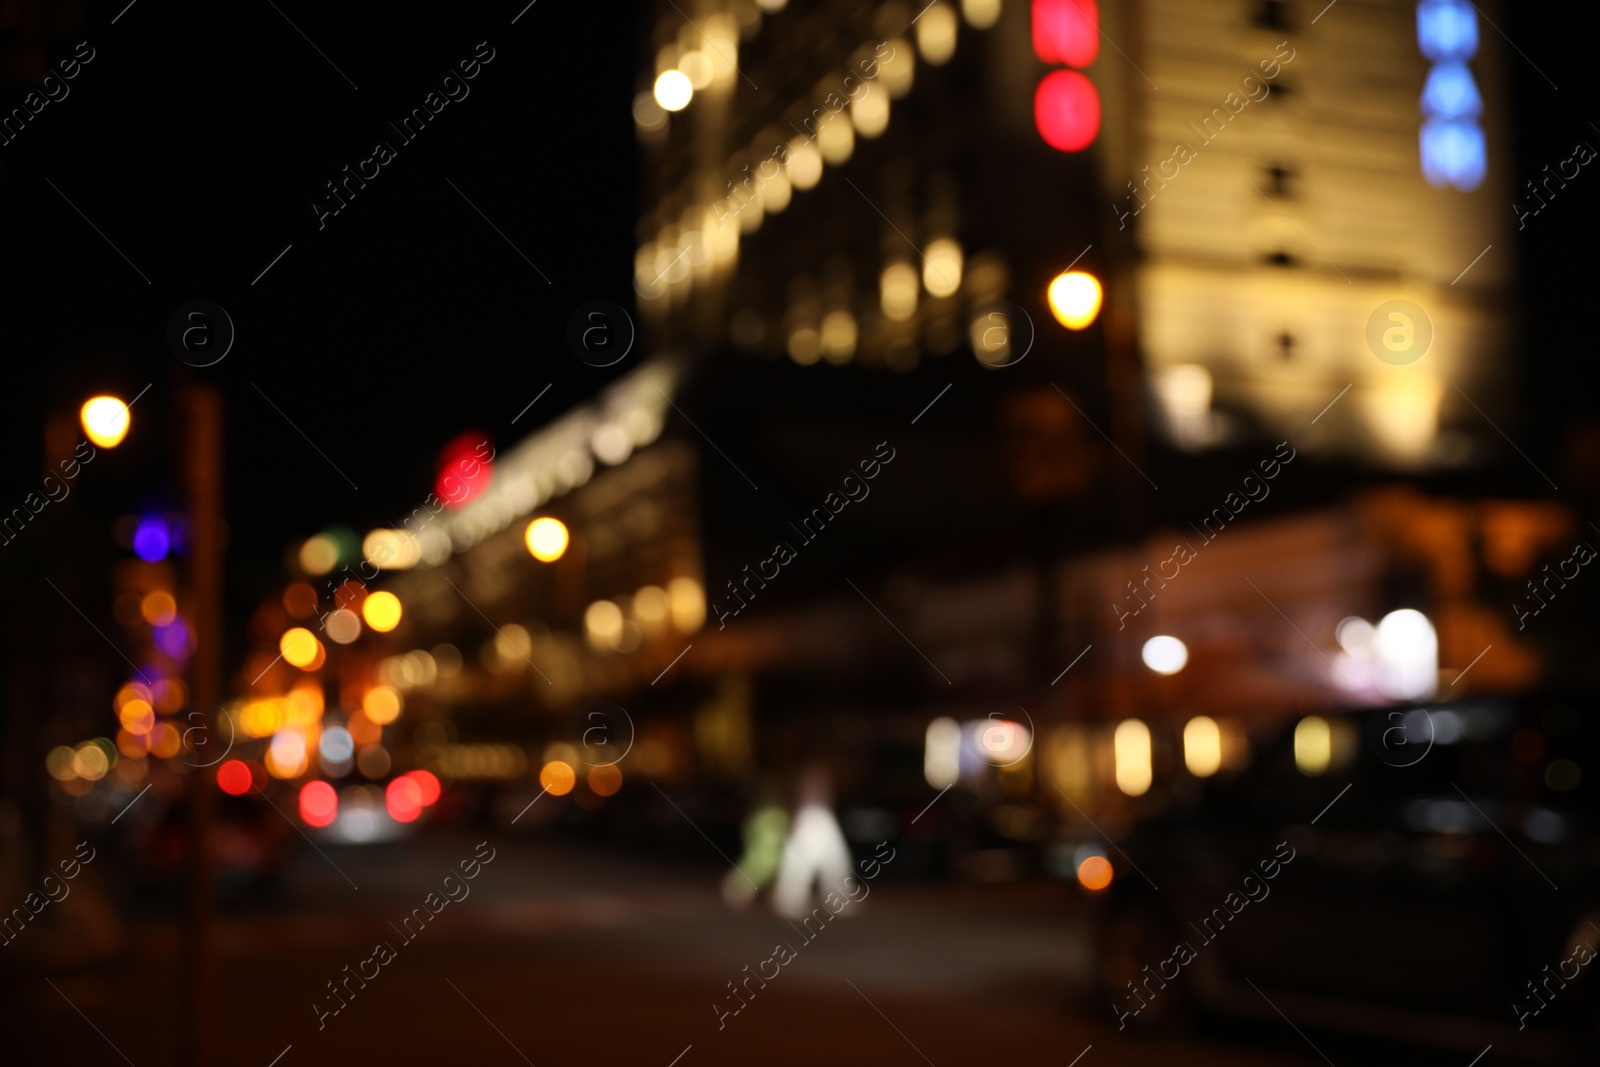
563 955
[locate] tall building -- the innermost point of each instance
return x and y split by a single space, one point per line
1288 168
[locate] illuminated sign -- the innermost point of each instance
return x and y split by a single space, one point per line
1066 106
1451 140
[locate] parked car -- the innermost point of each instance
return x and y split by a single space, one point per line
1436 880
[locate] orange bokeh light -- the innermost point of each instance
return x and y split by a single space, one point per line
604 780
557 778
1094 873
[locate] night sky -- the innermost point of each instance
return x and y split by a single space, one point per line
196 140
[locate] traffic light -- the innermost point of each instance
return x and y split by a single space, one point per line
1066 106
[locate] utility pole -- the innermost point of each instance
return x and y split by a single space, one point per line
202 414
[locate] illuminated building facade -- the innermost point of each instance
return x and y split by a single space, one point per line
1299 167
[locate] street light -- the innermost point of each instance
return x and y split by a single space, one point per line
673 90
1165 655
1075 298
105 421
546 539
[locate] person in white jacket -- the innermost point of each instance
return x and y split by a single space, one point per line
815 855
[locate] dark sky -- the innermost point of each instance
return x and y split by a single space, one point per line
194 140
197 135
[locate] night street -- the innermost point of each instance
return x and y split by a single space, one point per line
553 942
664 533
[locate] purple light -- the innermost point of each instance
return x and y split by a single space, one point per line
151 541
173 639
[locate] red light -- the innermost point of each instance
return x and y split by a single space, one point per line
319 804
427 783
234 778
1066 32
1066 110
465 468
403 798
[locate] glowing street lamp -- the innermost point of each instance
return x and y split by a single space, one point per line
546 539
1165 655
105 421
673 90
1075 299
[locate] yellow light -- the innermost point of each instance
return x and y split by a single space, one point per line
803 164
722 46
898 71
603 621
381 704
261 718
1094 873
1202 746
319 555
1313 745
90 762
650 606
1075 299
300 648
557 778
990 335
941 272
1403 414
58 764
547 539
305 703
697 68
137 717
392 550
1131 744
870 114
839 333
158 608
776 194
647 113
724 243
836 139
936 34
898 291
673 90
382 611
105 421
981 14
687 604
805 346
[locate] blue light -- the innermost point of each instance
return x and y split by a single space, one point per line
1447 30
1450 93
151 541
1453 153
